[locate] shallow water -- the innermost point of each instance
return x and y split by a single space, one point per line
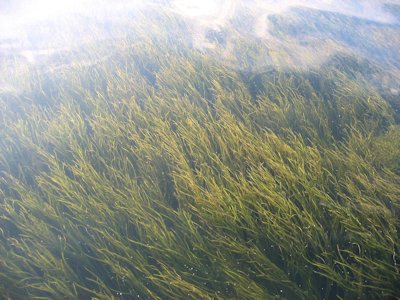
200 150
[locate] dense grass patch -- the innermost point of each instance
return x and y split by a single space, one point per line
161 173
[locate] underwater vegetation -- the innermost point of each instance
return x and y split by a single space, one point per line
162 173
377 41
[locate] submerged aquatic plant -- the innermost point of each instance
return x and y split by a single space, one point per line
162 173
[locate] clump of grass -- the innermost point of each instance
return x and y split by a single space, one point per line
161 173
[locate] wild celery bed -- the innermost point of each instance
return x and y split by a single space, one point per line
161 173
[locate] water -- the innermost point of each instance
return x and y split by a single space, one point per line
199 150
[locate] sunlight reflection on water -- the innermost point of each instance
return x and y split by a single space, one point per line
34 30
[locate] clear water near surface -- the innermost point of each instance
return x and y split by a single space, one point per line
199 150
